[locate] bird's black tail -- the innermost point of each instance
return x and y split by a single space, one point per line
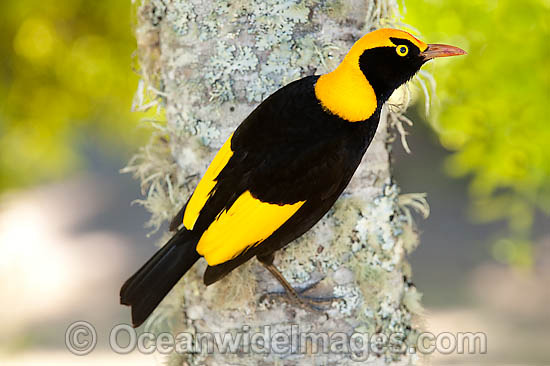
152 282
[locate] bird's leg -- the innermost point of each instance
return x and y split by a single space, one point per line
293 295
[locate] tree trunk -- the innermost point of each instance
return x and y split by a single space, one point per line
208 64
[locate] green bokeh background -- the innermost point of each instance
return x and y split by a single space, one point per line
491 108
67 81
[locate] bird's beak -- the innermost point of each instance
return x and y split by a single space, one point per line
441 50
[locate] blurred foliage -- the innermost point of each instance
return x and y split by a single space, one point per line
66 81
492 110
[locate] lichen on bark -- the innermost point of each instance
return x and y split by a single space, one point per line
208 64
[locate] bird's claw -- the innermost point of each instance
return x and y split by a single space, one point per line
309 303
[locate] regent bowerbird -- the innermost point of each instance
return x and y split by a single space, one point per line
283 168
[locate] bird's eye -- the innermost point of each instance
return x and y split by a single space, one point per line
402 50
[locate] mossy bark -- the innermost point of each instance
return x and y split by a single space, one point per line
208 64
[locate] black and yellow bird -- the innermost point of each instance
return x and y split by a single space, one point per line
283 167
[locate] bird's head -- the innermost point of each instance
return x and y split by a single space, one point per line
376 65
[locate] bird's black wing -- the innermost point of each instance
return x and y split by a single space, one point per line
289 162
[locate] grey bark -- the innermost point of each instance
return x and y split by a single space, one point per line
207 64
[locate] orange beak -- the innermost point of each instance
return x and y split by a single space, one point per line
441 50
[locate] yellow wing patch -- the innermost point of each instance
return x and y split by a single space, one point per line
205 186
247 222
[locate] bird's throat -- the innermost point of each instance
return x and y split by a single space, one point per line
346 93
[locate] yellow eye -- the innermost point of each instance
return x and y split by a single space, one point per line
402 50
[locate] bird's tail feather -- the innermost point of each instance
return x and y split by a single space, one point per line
152 282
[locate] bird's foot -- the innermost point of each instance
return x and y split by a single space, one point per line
292 296
298 298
